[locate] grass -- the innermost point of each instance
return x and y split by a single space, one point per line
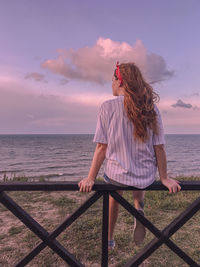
83 237
15 230
6 249
62 201
21 178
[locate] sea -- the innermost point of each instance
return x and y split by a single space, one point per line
68 157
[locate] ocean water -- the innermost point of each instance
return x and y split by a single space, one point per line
68 157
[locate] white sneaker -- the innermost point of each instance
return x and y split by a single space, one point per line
111 244
139 230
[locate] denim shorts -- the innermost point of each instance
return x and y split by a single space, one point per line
110 181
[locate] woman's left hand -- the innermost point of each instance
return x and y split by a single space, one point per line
86 185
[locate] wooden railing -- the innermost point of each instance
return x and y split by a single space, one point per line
102 190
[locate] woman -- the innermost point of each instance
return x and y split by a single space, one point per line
129 134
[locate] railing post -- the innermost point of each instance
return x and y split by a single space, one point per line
104 255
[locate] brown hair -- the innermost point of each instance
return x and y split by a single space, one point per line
139 99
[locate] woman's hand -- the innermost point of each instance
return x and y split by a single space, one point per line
86 185
172 185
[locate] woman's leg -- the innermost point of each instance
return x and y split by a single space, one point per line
139 229
138 197
113 214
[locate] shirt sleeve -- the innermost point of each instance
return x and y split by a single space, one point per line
160 137
101 129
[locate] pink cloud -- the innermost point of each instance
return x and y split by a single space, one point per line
180 120
38 77
96 63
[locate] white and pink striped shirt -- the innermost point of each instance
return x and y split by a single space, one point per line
127 161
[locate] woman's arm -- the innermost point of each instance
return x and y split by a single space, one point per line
171 184
87 183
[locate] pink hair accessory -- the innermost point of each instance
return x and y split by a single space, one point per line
118 73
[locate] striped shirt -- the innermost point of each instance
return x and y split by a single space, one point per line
127 161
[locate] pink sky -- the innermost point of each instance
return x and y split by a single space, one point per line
56 70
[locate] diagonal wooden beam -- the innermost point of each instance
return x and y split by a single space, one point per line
149 225
66 223
181 253
180 220
36 228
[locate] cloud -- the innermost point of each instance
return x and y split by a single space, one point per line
38 77
195 94
63 81
96 63
181 104
156 68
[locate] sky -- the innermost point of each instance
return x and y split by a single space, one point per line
57 60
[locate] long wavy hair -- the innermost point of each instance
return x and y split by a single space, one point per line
139 98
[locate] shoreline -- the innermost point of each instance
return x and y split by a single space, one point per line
23 178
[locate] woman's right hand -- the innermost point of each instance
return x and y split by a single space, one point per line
171 184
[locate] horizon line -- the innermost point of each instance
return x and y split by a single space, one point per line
83 134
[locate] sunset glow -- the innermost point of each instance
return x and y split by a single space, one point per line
57 61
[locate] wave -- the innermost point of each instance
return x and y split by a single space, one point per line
54 175
11 171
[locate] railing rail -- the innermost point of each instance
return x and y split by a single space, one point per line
99 186
102 189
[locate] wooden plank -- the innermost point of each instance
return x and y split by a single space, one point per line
99 186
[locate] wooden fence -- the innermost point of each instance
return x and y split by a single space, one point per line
102 190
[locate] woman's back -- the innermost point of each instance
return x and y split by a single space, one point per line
130 137
128 161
